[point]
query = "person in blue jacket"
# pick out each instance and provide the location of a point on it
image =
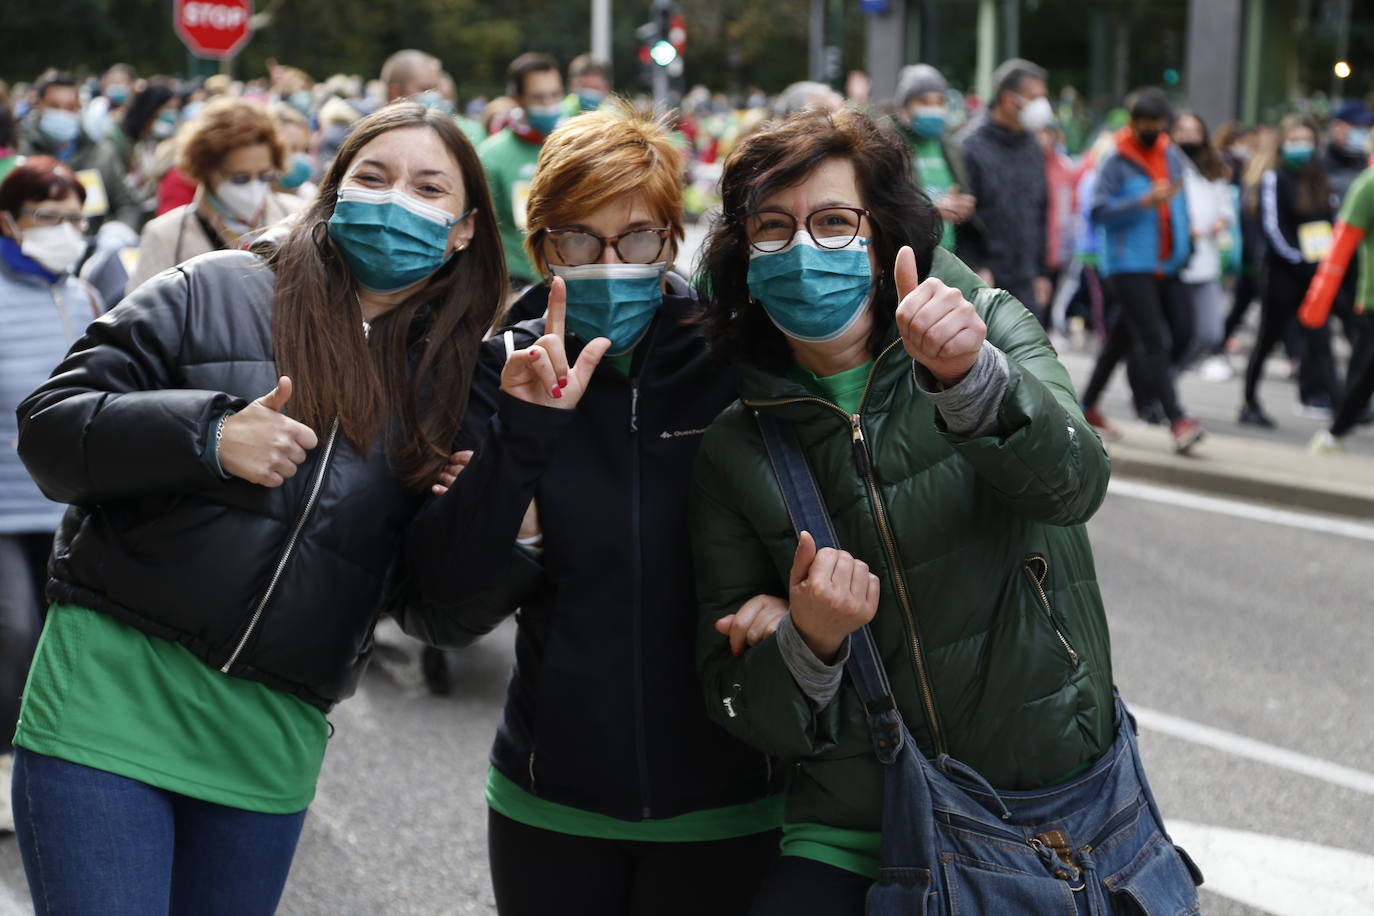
(1143, 227)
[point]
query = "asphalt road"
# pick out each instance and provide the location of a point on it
(1253, 628)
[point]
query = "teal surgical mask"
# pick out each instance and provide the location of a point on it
(616, 301)
(297, 173)
(1297, 153)
(811, 293)
(928, 120)
(300, 100)
(590, 99)
(118, 94)
(544, 120)
(389, 239)
(164, 125)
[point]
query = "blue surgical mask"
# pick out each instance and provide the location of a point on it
(118, 94)
(1358, 141)
(59, 125)
(1297, 153)
(544, 120)
(616, 301)
(165, 125)
(300, 100)
(432, 99)
(389, 239)
(191, 110)
(590, 99)
(811, 293)
(928, 120)
(297, 173)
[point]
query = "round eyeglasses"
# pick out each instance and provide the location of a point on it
(576, 247)
(831, 227)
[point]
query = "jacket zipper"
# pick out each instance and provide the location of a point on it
(1039, 583)
(641, 751)
(290, 547)
(864, 465)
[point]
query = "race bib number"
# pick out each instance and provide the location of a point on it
(1315, 240)
(519, 202)
(97, 201)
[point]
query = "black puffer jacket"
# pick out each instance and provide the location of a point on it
(279, 586)
(603, 710)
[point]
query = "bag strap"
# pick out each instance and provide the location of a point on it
(806, 507)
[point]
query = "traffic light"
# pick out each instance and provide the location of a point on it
(662, 41)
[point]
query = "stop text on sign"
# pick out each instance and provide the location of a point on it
(214, 16)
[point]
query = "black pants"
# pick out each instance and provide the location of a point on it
(801, 887)
(1359, 383)
(23, 574)
(539, 872)
(1285, 285)
(1116, 347)
(1158, 316)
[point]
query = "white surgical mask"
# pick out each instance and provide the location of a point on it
(57, 248)
(241, 201)
(1037, 114)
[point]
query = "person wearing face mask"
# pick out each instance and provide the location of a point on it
(297, 174)
(944, 436)
(1296, 208)
(234, 154)
(1142, 221)
(1347, 144)
(45, 308)
(145, 137)
(53, 128)
(243, 442)
(509, 156)
(936, 160)
(609, 791)
(589, 85)
(103, 112)
(1006, 177)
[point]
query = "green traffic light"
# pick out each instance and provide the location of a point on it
(663, 53)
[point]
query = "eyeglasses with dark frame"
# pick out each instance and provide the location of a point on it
(829, 227)
(47, 218)
(577, 247)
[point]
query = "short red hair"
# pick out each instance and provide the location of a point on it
(37, 179)
(596, 158)
(224, 125)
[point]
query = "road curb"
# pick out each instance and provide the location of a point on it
(1226, 466)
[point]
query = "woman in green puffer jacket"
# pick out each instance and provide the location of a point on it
(958, 470)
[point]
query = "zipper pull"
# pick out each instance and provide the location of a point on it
(861, 462)
(634, 406)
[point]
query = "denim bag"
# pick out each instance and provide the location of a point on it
(951, 843)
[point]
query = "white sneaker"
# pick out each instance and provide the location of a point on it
(1323, 443)
(1216, 369)
(6, 775)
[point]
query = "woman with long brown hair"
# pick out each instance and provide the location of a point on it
(243, 442)
(1290, 192)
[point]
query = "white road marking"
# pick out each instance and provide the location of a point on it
(1279, 875)
(1239, 509)
(1241, 746)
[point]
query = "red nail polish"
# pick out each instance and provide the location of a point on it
(737, 652)
(562, 383)
(556, 392)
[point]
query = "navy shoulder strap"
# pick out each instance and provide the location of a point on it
(806, 507)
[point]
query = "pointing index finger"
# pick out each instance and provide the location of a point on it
(558, 309)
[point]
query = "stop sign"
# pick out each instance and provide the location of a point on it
(213, 28)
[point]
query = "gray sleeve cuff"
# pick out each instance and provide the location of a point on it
(970, 408)
(819, 681)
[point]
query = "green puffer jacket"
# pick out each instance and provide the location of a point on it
(990, 621)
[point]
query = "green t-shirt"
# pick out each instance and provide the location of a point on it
(1358, 210)
(935, 176)
(105, 695)
(845, 388)
(509, 163)
(510, 800)
(471, 129)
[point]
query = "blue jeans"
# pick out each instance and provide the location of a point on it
(97, 843)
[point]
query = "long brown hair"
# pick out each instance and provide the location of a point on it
(369, 382)
(1313, 197)
(1208, 159)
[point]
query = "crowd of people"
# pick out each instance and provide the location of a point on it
(379, 352)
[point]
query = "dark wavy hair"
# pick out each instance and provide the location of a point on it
(144, 108)
(364, 381)
(781, 155)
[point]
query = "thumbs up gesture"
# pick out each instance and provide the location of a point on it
(540, 373)
(260, 444)
(940, 328)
